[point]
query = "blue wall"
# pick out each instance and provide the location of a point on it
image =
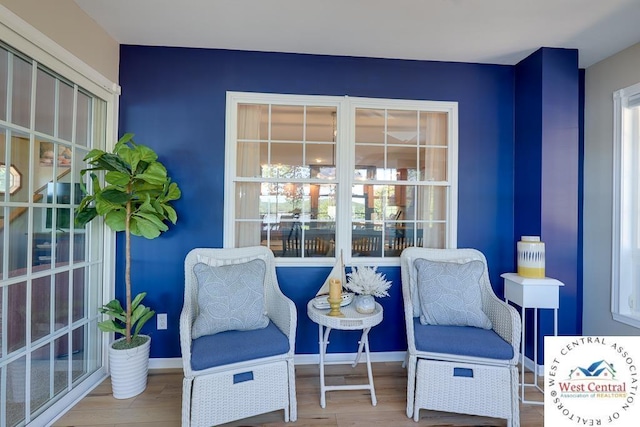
(547, 176)
(173, 99)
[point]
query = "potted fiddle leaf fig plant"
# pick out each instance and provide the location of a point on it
(135, 198)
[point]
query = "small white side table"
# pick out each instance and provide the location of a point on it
(352, 320)
(533, 293)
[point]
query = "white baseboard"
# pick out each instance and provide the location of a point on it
(528, 363)
(165, 363)
(299, 359)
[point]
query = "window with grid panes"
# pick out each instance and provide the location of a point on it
(626, 200)
(313, 176)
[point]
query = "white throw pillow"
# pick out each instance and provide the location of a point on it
(230, 297)
(449, 293)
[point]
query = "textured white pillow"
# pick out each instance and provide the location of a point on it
(230, 297)
(449, 293)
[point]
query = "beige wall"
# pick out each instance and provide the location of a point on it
(65, 23)
(602, 79)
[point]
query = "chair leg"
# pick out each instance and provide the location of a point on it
(186, 401)
(515, 401)
(293, 402)
(411, 384)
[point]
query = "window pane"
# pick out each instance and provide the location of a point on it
(41, 368)
(370, 125)
(433, 129)
(16, 391)
(61, 355)
(287, 123)
(83, 119)
(320, 154)
(402, 127)
(65, 111)
(45, 102)
(40, 307)
(44, 240)
(435, 235)
(366, 242)
(79, 307)
(287, 154)
(84, 358)
(253, 122)
(433, 164)
(16, 317)
(321, 124)
(17, 229)
(21, 99)
(430, 203)
(4, 75)
(401, 163)
(61, 301)
(20, 153)
(369, 157)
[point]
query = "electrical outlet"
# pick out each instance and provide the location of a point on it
(162, 321)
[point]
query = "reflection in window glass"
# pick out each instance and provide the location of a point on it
(21, 91)
(45, 102)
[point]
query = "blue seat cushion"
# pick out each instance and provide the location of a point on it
(228, 347)
(461, 340)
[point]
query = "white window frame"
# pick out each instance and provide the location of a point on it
(346, 107)
(625, 265)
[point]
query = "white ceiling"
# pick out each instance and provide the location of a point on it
(483, 31)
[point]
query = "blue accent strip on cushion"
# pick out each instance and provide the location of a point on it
(463, 372)
(243, 377)
(461, 340)
(228, 347)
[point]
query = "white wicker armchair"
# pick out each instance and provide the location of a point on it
(232, 387)
(471, 382)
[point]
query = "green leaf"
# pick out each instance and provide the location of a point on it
(111, 162)
(146, 154)
(144, 228)
(137, 300)
(154, 219)
(148, 314)
(133, 227)
(173, 193)
(114, 195)
(117, 178)
(113, 305)
(146, 206)
(124, 139)
(170, 213)
(84, 216)
(111, 326)
(104, 206)
(93, 154)
(155, 174)
(115, 220)
(131, 156)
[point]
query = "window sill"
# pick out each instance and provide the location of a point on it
(627, 319)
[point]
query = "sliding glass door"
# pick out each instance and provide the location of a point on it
(51, 272)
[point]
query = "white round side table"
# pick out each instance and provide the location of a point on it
(352, 320)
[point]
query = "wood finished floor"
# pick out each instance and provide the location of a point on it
(160, 404)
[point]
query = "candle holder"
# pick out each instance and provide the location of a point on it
(335, 307)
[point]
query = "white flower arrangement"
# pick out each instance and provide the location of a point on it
(366, 281)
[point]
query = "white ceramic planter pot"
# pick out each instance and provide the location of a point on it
(129, 369)
(365, 304)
